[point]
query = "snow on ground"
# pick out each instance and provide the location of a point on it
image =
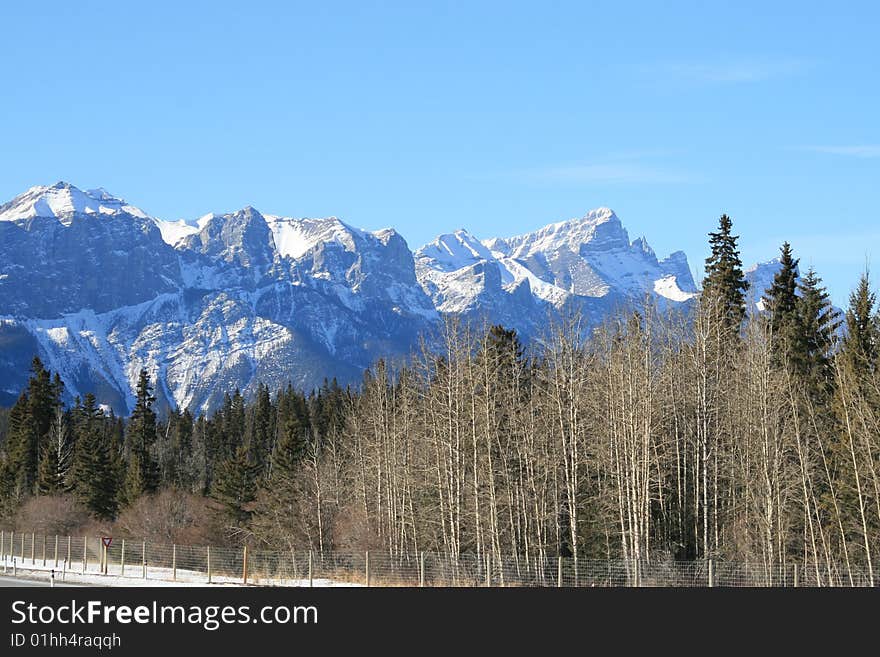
(156, 576)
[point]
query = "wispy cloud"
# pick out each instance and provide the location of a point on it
(728, 72)
(863, 150)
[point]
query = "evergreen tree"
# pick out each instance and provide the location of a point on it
(93, 477)
(862, 342)
(44, 396)
(262, 425)
(724, 286)
(235, 486)
(56, 457)
(142, 471)
(21, 448)
(141, 433)
(30, 422)
(818, 325)
(781, 305)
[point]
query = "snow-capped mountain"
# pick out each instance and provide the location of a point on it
(99, 289)
(589, 262)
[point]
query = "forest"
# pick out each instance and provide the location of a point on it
(712, 432)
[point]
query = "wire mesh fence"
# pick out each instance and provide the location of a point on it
(92, 558)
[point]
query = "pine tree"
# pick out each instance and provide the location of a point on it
(862, 342)
(724, 286)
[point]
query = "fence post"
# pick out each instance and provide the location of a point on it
(3, 545)
(488, 569)
(311, 580)
(367, 566)
(559, 571)
(44, 550)
(21, 558)
(174, 562)
(209, 564)
(144, 559)
(795, 575)
(69, 544)
(56, 551)
(33, 548)
(85, 554)
(244, 566)
(711, 573)
(64, 570)
(422, 569)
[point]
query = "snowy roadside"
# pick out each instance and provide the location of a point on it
(133, 576)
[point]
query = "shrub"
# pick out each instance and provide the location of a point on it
(170, 516)
(52, 514)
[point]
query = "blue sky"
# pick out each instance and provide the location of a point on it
(498, 117)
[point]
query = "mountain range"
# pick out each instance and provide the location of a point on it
(99, 289)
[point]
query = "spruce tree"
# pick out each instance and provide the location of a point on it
(142, 471)
(44, 395)
(235, 486)
(92, 476)
(862, 342)
(818, 324)
(262, 425)
(141, 431)
(56, 456)
(781, 305)
(724, 286)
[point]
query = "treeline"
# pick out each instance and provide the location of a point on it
(713, 433)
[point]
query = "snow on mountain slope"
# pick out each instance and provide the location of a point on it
(99, 289)
(61, 201)
(586, 258)
(205, 306)
(454, 251)
(173, 232)
(668, 287)
(295, 237)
